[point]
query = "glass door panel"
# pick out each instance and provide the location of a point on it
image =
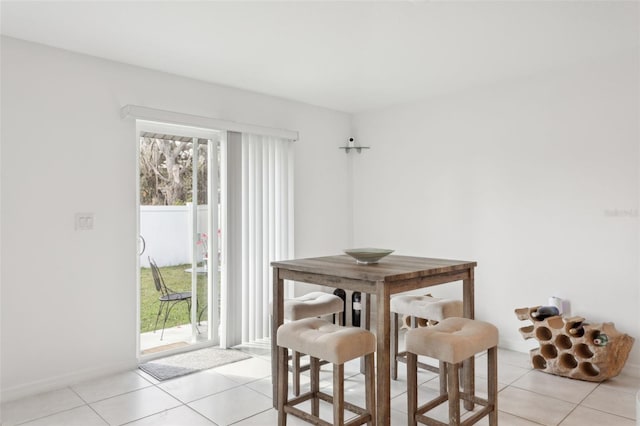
(205, 266)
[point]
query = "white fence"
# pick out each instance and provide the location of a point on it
(167, 234)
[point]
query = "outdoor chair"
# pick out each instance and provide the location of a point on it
(168, 298)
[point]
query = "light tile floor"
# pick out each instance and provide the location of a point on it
(239, 394)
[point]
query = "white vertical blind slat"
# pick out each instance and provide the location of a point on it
(272, 235)
(257, 238)
(246, 233)
(264, 246)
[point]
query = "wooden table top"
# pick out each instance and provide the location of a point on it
(388, 269)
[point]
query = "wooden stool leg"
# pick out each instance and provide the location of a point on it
(314, 369)
(469, 381)
(283, 384)
(412, 388)
(492, 373)
(338, 394)
(442, 367)
(370, 387)
(394, 345)
(454, 394)
(295, 362)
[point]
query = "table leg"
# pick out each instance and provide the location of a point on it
(383, 328)
(277, 318)
(365, 322)
(468, 366)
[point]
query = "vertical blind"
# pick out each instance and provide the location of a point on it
(267, 225)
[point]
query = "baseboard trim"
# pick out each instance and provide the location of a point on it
(631, 369)
(517, 345)
(62, 381)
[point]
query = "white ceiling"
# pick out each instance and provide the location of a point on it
(347, 56)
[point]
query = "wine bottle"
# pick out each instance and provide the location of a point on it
(600, 339)
(545, 312)
(356, 308)
(342, 295)
(575, 329)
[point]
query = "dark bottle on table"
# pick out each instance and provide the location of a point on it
(356, 308)
(342, 295)
(544, 312)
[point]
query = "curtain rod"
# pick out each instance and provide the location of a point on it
(153, 114)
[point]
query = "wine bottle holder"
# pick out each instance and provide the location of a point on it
(564, 354)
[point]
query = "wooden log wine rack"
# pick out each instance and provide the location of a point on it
(577, 356)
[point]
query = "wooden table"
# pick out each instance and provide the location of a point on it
(393, 274)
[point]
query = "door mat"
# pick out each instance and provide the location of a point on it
(191, 362)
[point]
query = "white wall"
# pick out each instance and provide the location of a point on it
(69, 297)
(535, 178)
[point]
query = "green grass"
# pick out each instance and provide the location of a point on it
(176, 279)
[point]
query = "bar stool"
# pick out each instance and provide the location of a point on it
(426, 307)
(322, 340)
(314, 304)
(452, 341)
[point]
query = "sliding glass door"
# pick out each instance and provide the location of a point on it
(214, 207)
(179, 204)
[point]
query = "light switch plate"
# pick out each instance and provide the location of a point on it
(84, 221)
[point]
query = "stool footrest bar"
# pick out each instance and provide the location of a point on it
(474, 399)
(362, 418)
(306, 416)
(353, 408)
(432, 404)
(429, 421)
(477, 416)
(300, 399)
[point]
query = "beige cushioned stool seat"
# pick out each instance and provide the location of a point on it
(453, 339)
(325, 340)
(428, 307)
(314, 304)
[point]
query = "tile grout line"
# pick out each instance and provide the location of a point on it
(247, 418)
(22, 422)
(578, 405)
(600, 410)
(86, 403)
